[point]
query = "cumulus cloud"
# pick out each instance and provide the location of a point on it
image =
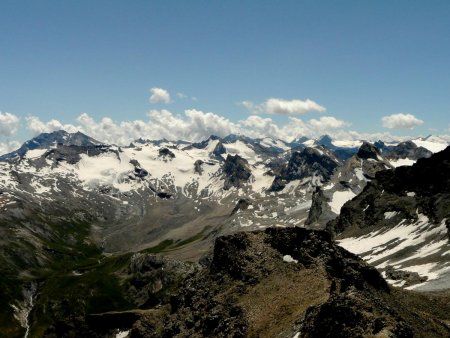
(9, 123)
(196, 125)
(6, 147)
(401, 121)
(36, 126)
(159, 95)
(327, 122)
(284, 107)
(257, 126)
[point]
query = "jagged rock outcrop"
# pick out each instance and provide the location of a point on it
(306, 163)
(407, 149)
(242, 204)
(139, 172)
(71, 153)
(317, 205)
(165, 153)
(236, 171)
(410, 278)
(423, 187)
(347, 181)
(219, 149)
(399, 215)
(283, 282)
(153, 278)
(367, 151)
(198, 167)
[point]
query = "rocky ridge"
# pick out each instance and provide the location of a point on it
(278, 282)
(401, 219)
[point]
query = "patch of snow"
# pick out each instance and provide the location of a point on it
(431, 270)
(390, 214)
(289, 259)
(347, 144)
(122, 334)
(244, 150)
(381, 247)
(338, 200)
(246, 223)
(401, 162)
(360, 175)
(319, 151)
(269, 143)
(298, 207)
(309, 143)
(434, 147)
(35, 153)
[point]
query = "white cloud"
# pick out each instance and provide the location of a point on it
(284, 107)
(159, 95)
(257, 126)
(9, 123)
(327, 122)
(401, 121)
(6, 147)
(193, 125)
(36, 126)
(196, 125)
(109, 131)
(183, 96)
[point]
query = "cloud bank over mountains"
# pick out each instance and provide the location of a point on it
(196, 125)
(192, 125)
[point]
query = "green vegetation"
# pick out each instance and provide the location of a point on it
(194, 238)
(162, 246)
(169, 244)
(73, 277)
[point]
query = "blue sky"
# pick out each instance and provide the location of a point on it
(361, 60)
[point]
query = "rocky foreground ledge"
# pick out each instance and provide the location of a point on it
(281, 282)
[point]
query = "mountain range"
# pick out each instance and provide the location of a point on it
(89, 228)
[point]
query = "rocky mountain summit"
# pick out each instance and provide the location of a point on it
(278, 282)
(48, 140)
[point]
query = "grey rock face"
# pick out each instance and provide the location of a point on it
(351, 299)
(367, 151)
(48, 140)
(306, 163)
(236, 171)
(407, 149)
(166, 153)
(219, 149)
